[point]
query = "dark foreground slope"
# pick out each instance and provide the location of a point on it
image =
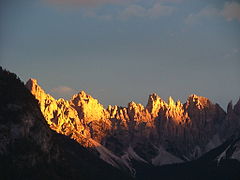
(30, 150)
(220, 163)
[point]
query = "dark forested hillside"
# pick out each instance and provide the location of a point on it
(30, 150)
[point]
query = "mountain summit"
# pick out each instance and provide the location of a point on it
(29, 149)
(124, 135)
(194, 140)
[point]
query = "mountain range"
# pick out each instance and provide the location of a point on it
(80, 139)
(157, 134)
(29, 149)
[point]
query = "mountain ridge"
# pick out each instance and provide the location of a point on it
(29, 149)
(184, 131)
(195, 140)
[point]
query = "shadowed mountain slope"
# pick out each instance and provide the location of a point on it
(156, 134)
(29, 149)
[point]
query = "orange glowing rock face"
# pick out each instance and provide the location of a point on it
(198, 101)
(155, 103)
(84, 114)
(59, 114)
(176, 112)
(186, 128)
(84, 119)
(88, 108)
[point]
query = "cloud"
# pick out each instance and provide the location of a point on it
(92, 14)
(155, 11)
(93, 3)
(90, 3)
(231, 11)
(125, 8)
(62, 91)
(159, 10)
(133, 11)
(202, 14)
(232, 52)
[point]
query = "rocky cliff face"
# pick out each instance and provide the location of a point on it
(157, 134)
(29, 149)
(59, 114)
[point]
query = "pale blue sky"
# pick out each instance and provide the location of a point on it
(119, 51)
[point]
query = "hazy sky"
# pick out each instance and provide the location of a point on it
(123, 50)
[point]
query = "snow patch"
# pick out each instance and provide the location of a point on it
(133, 155)
(127, 161)
(107, 155)
(213, 143)
(236, 153)
(164, 157)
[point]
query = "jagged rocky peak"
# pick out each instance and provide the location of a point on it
(230, 107)
(60, 114)
(46, 101)
(111, 108)
(32, 80)
(82, 98)
(30, 150)
(61, 101)
(198, 101)
(175, 110)
(118, 112)
(153, 97)
(206, 108)
(82, 95)
(32, 85)
(237, 107)
(155, 103)
(171, 102)
(133, 105)
(84, 119)
(138, 112)
(88, 107)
